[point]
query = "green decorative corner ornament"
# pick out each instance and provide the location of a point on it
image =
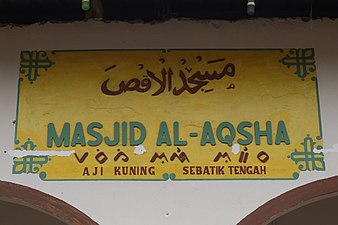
(307, 160)
(28, 164)
(302, 60)
(32, 62)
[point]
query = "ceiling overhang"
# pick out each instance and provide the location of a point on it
(32, 11)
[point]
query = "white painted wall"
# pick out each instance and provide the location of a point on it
(179, 203)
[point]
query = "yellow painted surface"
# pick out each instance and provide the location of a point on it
(261, 89)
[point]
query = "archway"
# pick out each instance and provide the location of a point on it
(40, 206)
(292, 200)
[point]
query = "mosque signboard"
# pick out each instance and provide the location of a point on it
(178, 114)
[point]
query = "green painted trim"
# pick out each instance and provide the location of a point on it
(214, 179)
(320, 137)
(169, 49)
(106, 50)
(168, 177)
(225, 49)
(16, 141)
(103, 179)
(235, 179)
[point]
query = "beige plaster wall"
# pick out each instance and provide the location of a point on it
(179, 203)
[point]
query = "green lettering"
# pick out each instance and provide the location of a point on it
(141, 128)
(207, 135)
(124, 133)
(177, 141)
(116, 139)
(259, 133)
(163, 135)
(246, 134)
(78, 136)
(282, 134)
(58, 140)
(95, 134)
(227, 139)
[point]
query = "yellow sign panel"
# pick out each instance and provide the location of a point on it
(168, 114)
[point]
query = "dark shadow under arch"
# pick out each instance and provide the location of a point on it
(291, 199)
(38, 200)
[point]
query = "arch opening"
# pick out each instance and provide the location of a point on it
(19, 202)
(293, 200)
